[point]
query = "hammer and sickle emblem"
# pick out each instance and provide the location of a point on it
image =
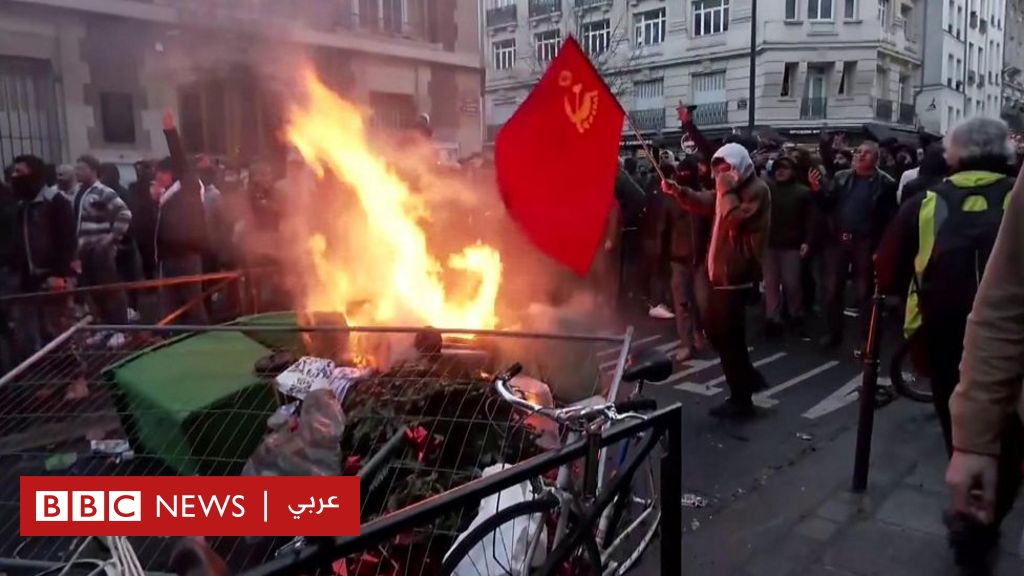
(582, 108)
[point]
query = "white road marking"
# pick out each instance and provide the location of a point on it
(764, 399)
(634, 344)
(711, 388)
(846, 394)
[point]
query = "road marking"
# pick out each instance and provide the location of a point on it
(711, 388)
(846, 394)
(696, 365)
(634, 344)
(765, 400)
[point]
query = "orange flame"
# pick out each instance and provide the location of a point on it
(381, 258)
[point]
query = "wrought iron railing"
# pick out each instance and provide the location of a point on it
(500, 16)
(544, 7)
(711, 113)
(884, 109)
(649, 119)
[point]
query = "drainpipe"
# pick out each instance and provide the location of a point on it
(480, 25)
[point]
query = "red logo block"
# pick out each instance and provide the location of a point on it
(190, 505)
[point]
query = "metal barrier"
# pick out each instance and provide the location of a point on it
(43, 431)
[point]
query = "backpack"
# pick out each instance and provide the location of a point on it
(957, 228)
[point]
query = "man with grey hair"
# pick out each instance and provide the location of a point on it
(935, 254)
(857, 206)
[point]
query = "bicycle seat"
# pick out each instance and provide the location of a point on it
(649, 366)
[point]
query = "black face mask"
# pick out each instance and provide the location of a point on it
(25, 187)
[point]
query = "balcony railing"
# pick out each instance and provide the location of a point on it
(883, 110)
(544, 7)
(501, 16)
(813, 108)
(590, 3)
(907, 114)
(711, 113)
(651, 119)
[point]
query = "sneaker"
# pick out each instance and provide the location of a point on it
(661, 312)
(97, 339)
(730, 410)
(684, 355)
(117, 341)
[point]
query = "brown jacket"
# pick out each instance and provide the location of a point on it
(740, 233)
(992, 368)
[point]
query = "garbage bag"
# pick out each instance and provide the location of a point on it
(311, 448)
(514, 538)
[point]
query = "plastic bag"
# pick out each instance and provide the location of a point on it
(312, 448)
(514, 538)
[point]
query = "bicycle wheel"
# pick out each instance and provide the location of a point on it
(483, 551)
(634, 520)
(905, 379)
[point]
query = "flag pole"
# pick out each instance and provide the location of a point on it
(647, 150)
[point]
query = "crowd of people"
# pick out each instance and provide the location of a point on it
(821, 230)
(77, 225)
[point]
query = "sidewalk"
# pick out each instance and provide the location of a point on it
(806, 522)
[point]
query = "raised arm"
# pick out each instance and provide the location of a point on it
(182, 169)
(700, 202)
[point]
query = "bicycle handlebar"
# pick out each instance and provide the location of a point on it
(572, 414)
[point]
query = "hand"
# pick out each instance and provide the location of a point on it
(609, 245)
(168, 120)
(804, 250)
(972, 480)
(814, 178)
(669, 187)
(56, 283)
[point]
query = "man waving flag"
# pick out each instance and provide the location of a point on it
(557, 159)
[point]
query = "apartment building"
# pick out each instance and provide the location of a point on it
(1013, 65)
(963, 67)
(820, 63)
(94, 76)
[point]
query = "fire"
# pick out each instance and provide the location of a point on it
(374, 264)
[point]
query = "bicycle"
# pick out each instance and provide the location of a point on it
(560, 520)
(905, 379)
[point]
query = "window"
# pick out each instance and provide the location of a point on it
(708, 88)
(710, 17)
(981, 62)
(118, 117)
(505, 54)
(949, 19)
(650, 27)
(788, 71)
(393, 111)
(649, 89)
(949, 116)
(597, 36)
(959, 73)
(949, 70)
(959, 22)
(817, 82)
(819, 9)
(387, 15)
(883, 13)
(547, 45)
(850, 9)
(847, 79)
(970, 55)
(790, 9)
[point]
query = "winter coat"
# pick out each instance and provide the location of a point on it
(741, 222)
(792, 215)
(46, 239)
(102, 218)
(181, 218)
(883, 203)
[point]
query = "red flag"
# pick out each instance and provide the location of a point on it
(557, 159)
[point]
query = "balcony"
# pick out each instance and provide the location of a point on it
(544, 7)
(883, 110)
(650, 120)
(501, 16)
(907, 114)
(711, 113)
(591, 3)
(813, 108)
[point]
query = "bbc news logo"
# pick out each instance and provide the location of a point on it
(172, 506)
(89, 506)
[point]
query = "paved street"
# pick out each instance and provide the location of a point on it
(777, 487)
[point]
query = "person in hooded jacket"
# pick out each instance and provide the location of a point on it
(788, 244)
(180, 227)
(741, 209)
